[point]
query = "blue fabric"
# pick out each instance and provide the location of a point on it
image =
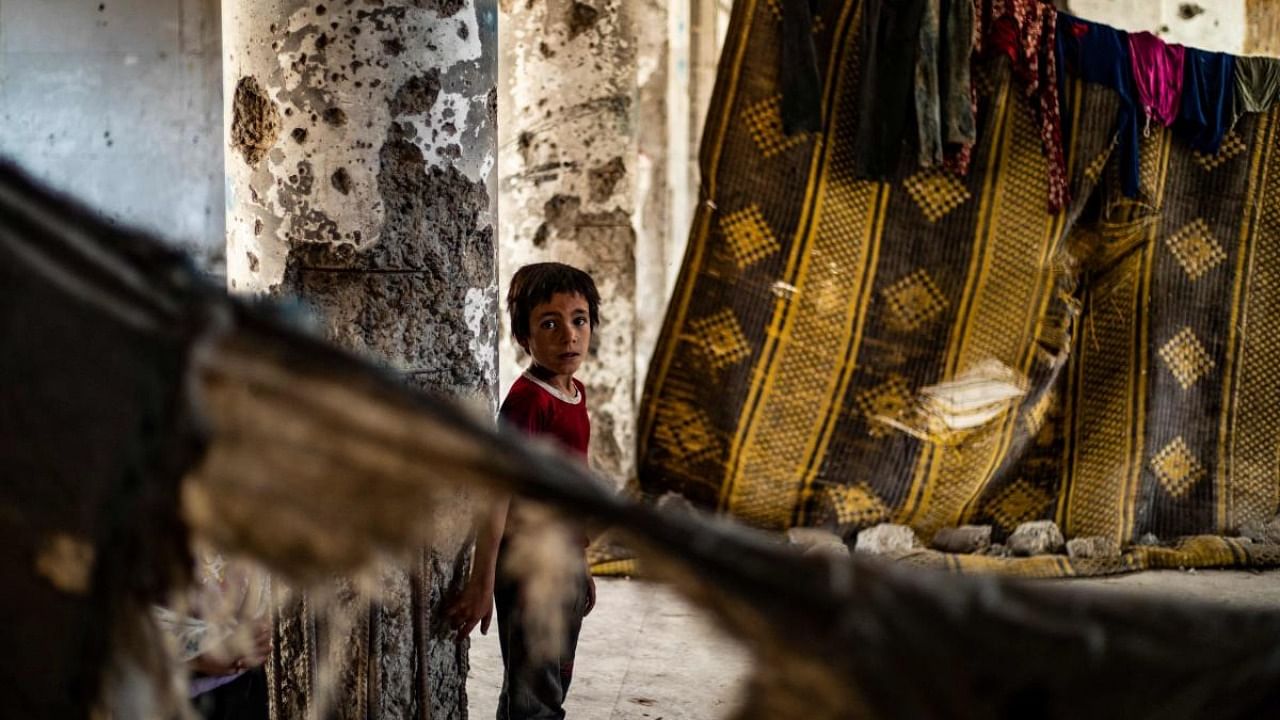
(1100, 54)
(1208, 98)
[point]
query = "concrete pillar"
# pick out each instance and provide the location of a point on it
(568, 165)
(360, 144)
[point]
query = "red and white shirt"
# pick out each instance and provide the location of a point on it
(539, 408)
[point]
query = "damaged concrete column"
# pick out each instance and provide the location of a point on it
(359, 157)
(568, 168)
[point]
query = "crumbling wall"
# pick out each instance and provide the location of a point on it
(1262, 37)
(1211, 25)
(120, 104)
(569, 168)
(359, 156)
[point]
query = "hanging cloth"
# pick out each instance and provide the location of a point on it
(1208, 99)
(1025, 31)
(798, 70)
(1100, 54)
(1257, 85)
(962, 15)
(959, 101)
(945, 106)
(887, 55)
(927, 96)
(1157, 76)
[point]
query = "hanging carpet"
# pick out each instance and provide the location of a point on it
(937, 350)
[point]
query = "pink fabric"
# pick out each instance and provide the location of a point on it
(1157, 73)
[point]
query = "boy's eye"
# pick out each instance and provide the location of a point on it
(549, 325)
(580, 321)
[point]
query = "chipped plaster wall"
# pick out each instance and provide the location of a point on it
(1263, 34)
(360, 149)
(1208, 24)
(120, 104)
(568, 169)
(654, 193)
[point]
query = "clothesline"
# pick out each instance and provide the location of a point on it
(1200, 94)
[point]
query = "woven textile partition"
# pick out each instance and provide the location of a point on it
(937, 350)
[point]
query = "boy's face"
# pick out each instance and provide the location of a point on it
(559, 333)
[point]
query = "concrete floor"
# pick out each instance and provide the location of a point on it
(645, 654)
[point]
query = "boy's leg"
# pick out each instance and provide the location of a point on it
(532, 691)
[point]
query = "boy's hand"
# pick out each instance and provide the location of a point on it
(474, 605)
(591, 594)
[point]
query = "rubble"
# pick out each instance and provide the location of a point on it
(1271, 532)
(1148, 540)
(813, 541)
(1041, 537)
(1093, 546)
(966, 539)
(886, 539)
(1254, 531)
(997, 550)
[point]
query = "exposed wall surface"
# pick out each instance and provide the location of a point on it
(1208, 24)
(568, 168)
(119, 103)
(360, 149)
(1263, 35)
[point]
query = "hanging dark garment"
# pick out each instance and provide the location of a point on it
(887, 54)
(1208, 99)
(1099, 54)
(956, 82)
(928, 99)
(944, 97)
(1257, 85)
(798, 70)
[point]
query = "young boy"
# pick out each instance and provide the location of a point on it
(553, 309)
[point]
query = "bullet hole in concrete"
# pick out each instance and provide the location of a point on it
(257, 227)
(288, 112)
(272, 28)
(322, 41)
(102, 7)
(1186, 11)
(546, 50)
(255, 122)
(393, 46)
(581, 18)
(603, 179)
(540, 236)
(417, 95)
(375, 82)
(449, 128)
(320, 10)
(335, 116)
(463, 31)
(299, 135)
(341, 180)
(253, 261)
(356, 65)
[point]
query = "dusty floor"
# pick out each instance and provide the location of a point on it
(647, 655)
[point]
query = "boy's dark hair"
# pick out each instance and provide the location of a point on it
(535, 284)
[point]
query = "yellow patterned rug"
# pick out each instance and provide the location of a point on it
(939, 350)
